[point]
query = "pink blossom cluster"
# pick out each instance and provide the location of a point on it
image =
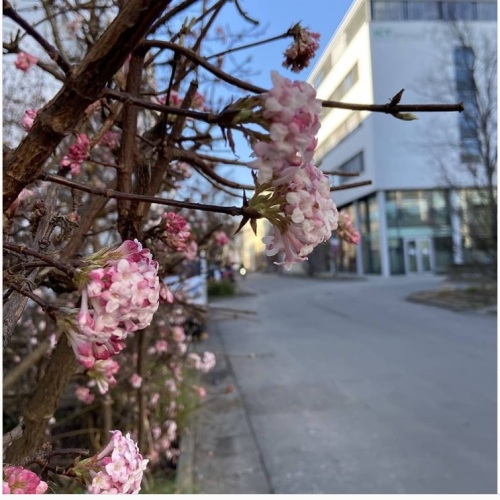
(302, 50)
(310, 216)
(77, 154)
(221, 238)
(24, 196)
(178, 231)
(84, 394)
(191, 251)
(102, 374)
(120, 294)
(165, 294)
(119, 467)
(199, 102)
(203, 363)
(28, 119)
(201, 392)
(292, 111)
(135, 381)
(183, 169)
(24, 61)
(175, 99)
(300, 208)
(72, 27)
(109, 139)
(346, 229)
(18, 480)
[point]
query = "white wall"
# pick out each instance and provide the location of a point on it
(421, 154)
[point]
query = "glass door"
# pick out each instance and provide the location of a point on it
(418, 255)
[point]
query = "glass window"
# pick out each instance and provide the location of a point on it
(486, 11)
(396, 256)
(414, 208)
(387, 10)
(373, 214)
(463, 11)
(443, 253)
(371, 254)
(323, 72)
(363, 213)
(345, 85)
(414, 10)
(440, 210)
(420, 11)
(391, 209)
(470, 145)
(354, 165)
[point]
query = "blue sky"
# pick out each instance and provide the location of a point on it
(279, 15)
(276, 17)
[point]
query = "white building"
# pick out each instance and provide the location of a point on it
(413, 217)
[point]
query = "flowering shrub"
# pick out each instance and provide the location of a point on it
(293, 194)
(178, 231)
(77, 154)
(302, 50)
(117, 299)
(24, 61)
(18, 480)
(29, 118)
(118, 468)
(346, 229)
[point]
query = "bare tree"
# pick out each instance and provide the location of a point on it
(466, 155)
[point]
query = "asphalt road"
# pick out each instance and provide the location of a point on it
(351, 389)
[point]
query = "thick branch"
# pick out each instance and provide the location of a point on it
(44, 402)
(83, 86)
(27, 362)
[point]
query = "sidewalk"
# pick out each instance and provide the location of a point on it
(219, 453)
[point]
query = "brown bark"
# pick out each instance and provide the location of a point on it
(126, 157)
(44, 402)
(84, 85)
(58, 118)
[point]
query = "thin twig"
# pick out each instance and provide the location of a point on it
(22, 249)
(111, 193)
(349, 186)
(37, 300)
(249, 45)
(341, 174)
(54, 54)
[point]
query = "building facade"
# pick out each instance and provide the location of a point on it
(425, 208)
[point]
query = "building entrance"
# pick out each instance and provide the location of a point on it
(418, 255)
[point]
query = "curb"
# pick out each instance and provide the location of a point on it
(184, 480)
(219, 451)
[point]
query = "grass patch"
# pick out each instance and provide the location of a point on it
(459, 299)
(223, 288)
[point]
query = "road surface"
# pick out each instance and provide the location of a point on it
(349, 388)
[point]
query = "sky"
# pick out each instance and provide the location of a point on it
(276, 17)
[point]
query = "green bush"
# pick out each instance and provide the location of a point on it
(224, 288)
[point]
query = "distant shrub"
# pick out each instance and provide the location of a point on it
(223, 288)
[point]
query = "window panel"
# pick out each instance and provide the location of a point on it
(414, 10)
(486, 11)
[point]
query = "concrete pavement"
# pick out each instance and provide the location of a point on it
(348, 388)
